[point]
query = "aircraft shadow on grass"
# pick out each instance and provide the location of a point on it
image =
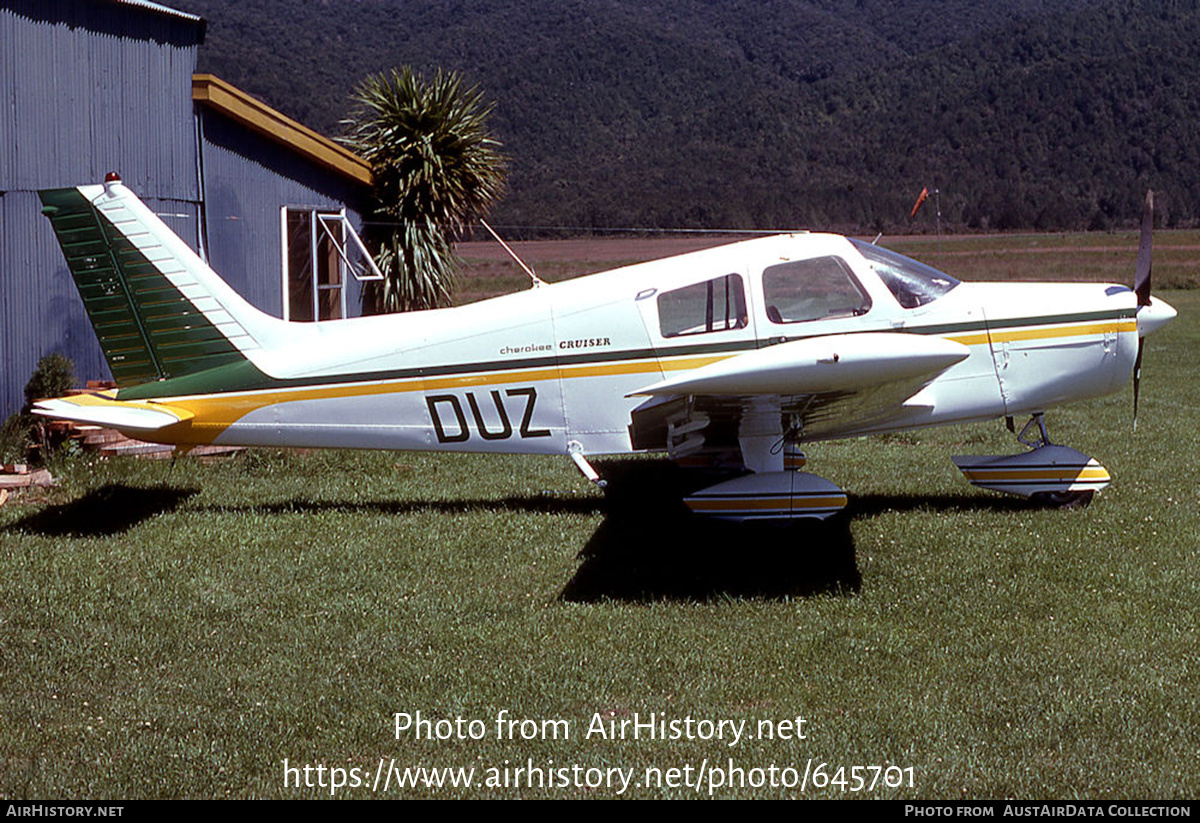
(108, 510)
(650, 547)
(545, 503)
(116, 508)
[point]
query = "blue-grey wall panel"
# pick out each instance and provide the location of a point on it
(93, 87)
(86, 87)
(41, 310)
(247, 180)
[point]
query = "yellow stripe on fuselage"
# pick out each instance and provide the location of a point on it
(1046, 333)
(214, 413)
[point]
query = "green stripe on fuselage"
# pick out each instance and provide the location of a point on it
(243, 376)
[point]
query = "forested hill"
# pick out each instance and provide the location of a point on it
(774, 113)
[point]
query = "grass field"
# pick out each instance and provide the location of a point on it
(180, 631)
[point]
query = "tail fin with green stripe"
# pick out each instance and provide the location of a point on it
(158, 310)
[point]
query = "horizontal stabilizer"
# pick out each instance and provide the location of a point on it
(99, 410)
(842, 363)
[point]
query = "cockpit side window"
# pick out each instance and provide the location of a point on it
(712, 306)
(814, 289)
(913, 283)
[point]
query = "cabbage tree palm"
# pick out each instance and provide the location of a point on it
(436, 170)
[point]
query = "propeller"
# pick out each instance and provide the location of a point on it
(1141, 287)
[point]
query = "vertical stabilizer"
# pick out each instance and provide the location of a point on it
(158, 310)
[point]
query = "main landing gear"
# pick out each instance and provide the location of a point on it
(776, 491)
(1048, 474)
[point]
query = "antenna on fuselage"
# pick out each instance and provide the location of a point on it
(537, 281)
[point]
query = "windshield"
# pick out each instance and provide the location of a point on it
(913, 283)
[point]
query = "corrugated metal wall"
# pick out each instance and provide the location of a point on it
(247, 180)
(97, 87)
(87, 88)
(42, 311)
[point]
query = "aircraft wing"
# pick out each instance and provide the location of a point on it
(124, 416)
(834, 383)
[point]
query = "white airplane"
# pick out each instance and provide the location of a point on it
(734, 356)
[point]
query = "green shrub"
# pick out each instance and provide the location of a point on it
(24, 436)
(53, 377)
(14, 438)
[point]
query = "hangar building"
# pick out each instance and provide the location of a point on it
(97, 86)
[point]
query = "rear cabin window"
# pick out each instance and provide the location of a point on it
(815, 289)
(712, 306)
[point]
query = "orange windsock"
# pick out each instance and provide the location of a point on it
(921, 198)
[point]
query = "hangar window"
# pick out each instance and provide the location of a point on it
(321, 249)
(814, 289)
(714, 305)
(314, 282)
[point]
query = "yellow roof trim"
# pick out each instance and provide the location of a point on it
(231, 101)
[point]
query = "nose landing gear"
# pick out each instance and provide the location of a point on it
(1048, 474)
